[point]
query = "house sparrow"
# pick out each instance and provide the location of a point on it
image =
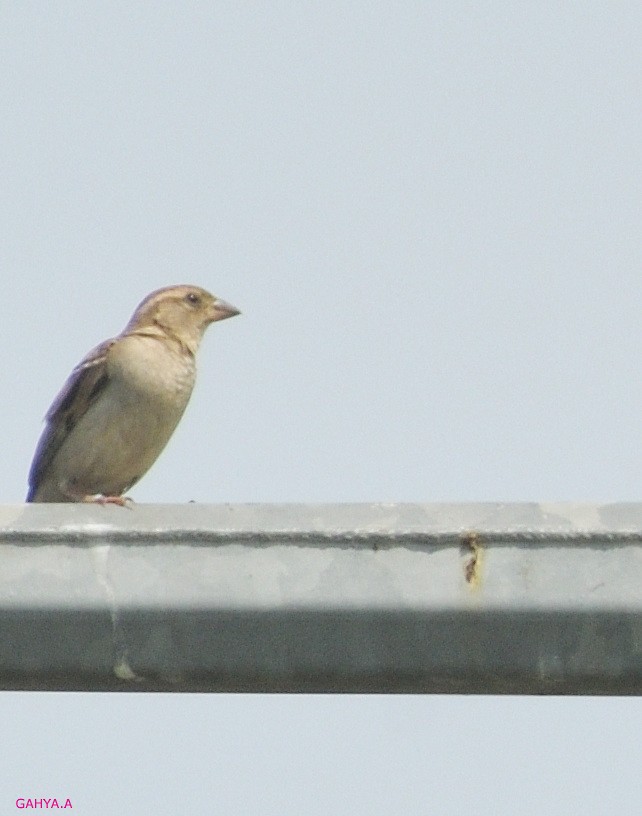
(122, 402)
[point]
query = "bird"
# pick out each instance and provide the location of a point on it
(122, 402)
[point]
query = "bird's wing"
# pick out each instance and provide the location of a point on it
(80, 391)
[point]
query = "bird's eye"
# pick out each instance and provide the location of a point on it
(192, 298)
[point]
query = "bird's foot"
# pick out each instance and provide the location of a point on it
(121, 501)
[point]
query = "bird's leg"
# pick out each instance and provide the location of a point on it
(95, 498)
(120, 501)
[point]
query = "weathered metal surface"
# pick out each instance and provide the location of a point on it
(486, 598)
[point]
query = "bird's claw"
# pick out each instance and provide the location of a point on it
(121, 501)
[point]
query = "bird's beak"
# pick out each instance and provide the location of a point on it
(221, 309)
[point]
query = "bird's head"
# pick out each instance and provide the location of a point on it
(183, 312)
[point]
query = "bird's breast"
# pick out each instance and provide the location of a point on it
(152, 370)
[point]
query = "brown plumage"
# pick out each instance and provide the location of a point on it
(122, 402)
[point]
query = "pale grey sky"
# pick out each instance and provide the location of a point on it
(429, 214)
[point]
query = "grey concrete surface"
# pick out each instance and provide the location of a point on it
(462, 598)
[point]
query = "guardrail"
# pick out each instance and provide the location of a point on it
(434, 598)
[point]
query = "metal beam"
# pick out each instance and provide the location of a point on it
(448, 598)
